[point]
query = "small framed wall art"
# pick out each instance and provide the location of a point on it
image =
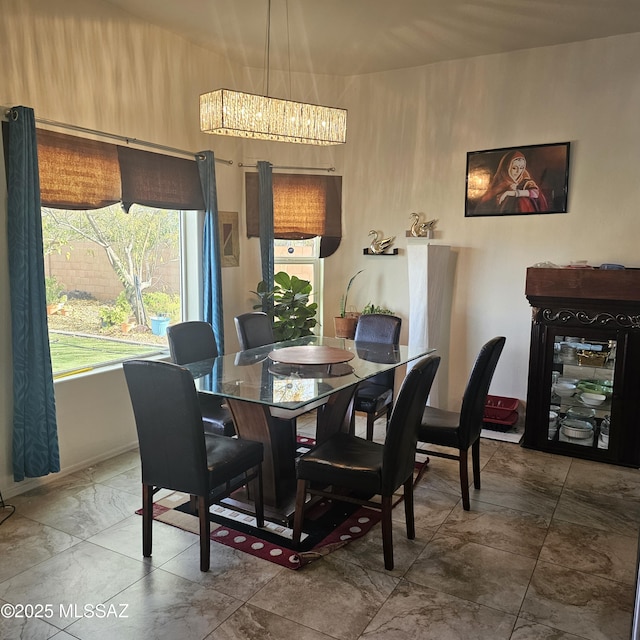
(517, 180)
(229, 238)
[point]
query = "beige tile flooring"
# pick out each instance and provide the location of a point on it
(548, 551)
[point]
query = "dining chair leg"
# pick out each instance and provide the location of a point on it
(259, 499)
(421, 471)
(370, 423)
(147, 519)
(387, 533)
(408, 508)
(464, 479)
(205, 540)
(475, 458)
(352, 424)
(298, 517)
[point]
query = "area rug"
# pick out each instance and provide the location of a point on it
(328, 526)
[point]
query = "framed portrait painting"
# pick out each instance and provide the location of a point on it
(229, 238)
(517, 180)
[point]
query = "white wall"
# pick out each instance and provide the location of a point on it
(86, 63)
(409, 133)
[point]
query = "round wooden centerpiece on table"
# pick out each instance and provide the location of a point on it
(309, 354)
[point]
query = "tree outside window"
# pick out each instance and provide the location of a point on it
(116, 279)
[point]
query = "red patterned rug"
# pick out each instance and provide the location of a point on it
(328, 526)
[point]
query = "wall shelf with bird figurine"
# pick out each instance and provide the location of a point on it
(421, 229)
(380, 246)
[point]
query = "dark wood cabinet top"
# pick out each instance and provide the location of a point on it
(615, 285)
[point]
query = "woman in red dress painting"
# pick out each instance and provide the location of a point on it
(512, 190)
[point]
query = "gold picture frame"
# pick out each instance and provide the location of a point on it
(229, 238)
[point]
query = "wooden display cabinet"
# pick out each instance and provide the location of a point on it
(585, 326)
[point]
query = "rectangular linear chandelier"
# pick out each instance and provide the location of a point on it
(247, 115)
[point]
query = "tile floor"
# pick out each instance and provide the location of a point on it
(548, 551)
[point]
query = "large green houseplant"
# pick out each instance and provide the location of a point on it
(293, 313)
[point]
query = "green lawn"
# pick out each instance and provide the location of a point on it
(72, 353)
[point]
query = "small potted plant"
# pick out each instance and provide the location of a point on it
(345, 323)
(55, 299)
(372, 308)
(128, 324)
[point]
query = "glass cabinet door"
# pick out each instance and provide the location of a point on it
(582, 382)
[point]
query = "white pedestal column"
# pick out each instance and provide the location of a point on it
(431, 269)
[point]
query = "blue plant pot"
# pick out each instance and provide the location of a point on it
(159, 325)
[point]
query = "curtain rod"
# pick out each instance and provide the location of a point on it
(115, 136)
(253, 166)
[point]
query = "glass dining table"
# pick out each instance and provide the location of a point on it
(268, 387)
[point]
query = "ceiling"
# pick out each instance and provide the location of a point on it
(350, 37)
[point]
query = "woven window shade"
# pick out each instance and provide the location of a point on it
(157, 180)
(299, 205)
(77, 173)
(304, 206)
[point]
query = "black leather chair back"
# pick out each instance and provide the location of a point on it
(169, 425)
(402, 435)
(254, 330)
(378, 327)
(475, 395)
(191, 341)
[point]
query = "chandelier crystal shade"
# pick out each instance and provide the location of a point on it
(247, 115)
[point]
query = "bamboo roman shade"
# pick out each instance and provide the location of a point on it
(304, 206)
(156, 180)
(78, 173)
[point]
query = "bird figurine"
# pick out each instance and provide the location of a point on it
(421, 229)
(379, 246)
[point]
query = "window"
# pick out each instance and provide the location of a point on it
(301, 258)
(112, 283)
(307, 219)
(114, 221)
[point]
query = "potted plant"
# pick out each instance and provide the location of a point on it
(128, 324)
(53, 294)
(345, 323)
(293, 312)
(116, 314)
(372, 308)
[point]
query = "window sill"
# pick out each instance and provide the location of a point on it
(101, 369)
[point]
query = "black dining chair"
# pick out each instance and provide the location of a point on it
(193, 341)
(254, 330)
(358, 469)
(461, 430)
(177, 454)
(374, 396)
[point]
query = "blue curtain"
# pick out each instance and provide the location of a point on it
(265, 206)
(211, 258)
(35, 432)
